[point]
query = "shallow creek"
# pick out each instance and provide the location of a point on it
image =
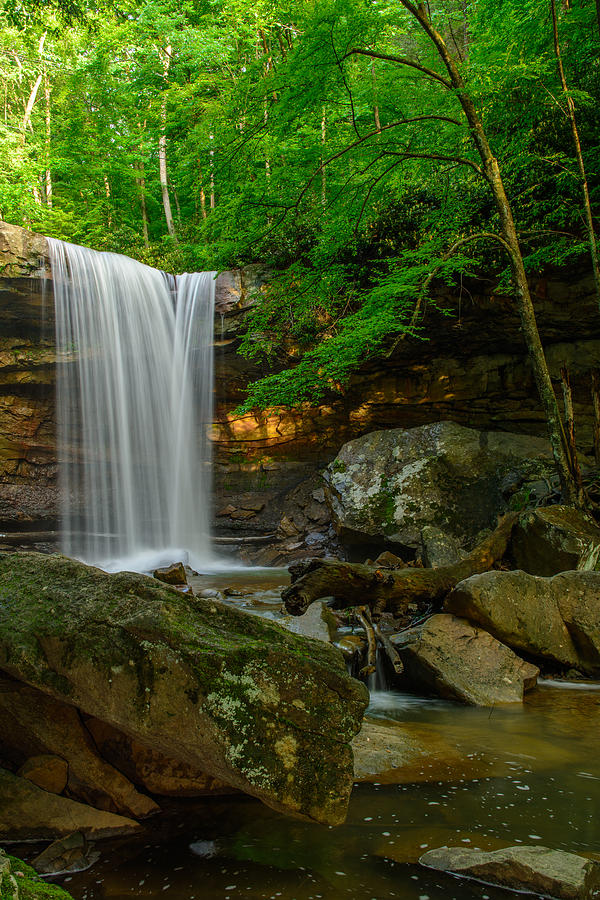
(527, 774)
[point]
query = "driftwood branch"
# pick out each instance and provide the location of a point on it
(363, 614)
(388, 590)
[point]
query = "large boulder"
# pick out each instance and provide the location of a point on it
(555, 539)
(535, 870)
(450, 657)
(390, 485)
(553, 619)
(233, 695)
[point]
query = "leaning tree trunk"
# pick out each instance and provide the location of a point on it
(388, 590)
(491, 170)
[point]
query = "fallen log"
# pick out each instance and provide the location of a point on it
(388, 590)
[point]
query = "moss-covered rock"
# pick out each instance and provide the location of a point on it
(18, 881)
(264, 710)
(390, 485)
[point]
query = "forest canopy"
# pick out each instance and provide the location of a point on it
(321, 139)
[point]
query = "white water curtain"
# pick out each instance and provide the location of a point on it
(134, 405)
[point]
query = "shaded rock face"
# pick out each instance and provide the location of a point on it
(536, 870)
(556, 619)
(150, 769)
(237, 697)
(555, 539)
(32, 723)
(456, 660)
(390, 485)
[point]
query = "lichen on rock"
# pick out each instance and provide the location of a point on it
(194, 679)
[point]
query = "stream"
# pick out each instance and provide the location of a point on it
(526, 774)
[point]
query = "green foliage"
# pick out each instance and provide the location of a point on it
(349, 175)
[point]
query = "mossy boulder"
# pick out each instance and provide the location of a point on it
(391, 485)
(263, 710)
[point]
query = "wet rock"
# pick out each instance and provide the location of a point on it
(72, 853)
(388, 560)
(353, 647)
(233, 695)
(439, 548)
(287, 528)
(555, 539)
(28, 813)
(210, 594)
(252, 505)
(389, 485)
(455, 660)
(227, 510)
(34, 724)
(173, 574)
(317, 622)
(48, 772)
(403, 754)
(408, 848)
(151, 769)
(553, 619)
(536, 870)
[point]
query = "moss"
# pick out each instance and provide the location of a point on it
(196, 662)
(29, 884)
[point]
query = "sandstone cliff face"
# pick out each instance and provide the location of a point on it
(473, 370)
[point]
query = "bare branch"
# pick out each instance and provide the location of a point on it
(400, 60)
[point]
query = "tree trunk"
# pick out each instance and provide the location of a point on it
(323, 175)
(29, 106)
(107, 192)
(48, 174)
(587, 207)
(211, 156)
(388, 590)
(33, 93)
(162, 149)
(141, 180)
(596, 404)
(508, 231)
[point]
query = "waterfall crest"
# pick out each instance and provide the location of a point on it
(134, 404)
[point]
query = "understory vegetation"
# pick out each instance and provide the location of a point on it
(329, 140)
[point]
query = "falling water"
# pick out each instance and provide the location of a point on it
(134, 400)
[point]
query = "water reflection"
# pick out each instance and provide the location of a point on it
(527, 774)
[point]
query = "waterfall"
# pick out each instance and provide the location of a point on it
(134, 404)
